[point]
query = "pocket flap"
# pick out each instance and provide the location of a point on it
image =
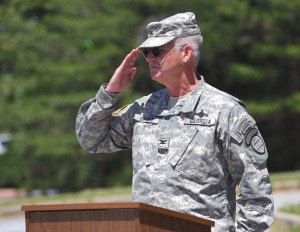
(141, 162)
(180, 145)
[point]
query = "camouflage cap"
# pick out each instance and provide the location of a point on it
(179, 25)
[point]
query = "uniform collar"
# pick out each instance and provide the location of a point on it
(189, 104)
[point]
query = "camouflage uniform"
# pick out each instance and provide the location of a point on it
(189, 158)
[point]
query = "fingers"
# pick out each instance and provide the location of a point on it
(130, 59)
(132, 73)
(129, 62)
(127, 66)
(124, 74)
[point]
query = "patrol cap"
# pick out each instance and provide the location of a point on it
(162, 32)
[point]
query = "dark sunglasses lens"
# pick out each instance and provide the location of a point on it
(156, 52)
(145, 52)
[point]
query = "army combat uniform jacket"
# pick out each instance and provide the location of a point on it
(190, 158)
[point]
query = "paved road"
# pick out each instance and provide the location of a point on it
(286, 198)
(17, 223)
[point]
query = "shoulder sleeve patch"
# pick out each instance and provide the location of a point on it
(258, 144)
(242, 128)
(250, 139)
(253, 137)
(245, 125)
(250, 135)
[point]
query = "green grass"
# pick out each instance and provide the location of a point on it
(285, 176)
(295, 228)
(294, 209)
(281, 181)
(85, 196)
(279, 226)
(285, 180)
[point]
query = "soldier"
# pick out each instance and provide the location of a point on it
(192, 144)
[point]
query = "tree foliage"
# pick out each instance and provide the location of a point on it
(55, 55)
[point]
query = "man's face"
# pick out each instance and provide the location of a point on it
(165, 63)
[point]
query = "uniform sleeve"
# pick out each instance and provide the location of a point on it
(97, 130)
(247, 166)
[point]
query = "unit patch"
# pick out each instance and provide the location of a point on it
(256, 142)
(258, 145)
(246, 134)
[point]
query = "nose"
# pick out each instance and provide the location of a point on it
(150, 56)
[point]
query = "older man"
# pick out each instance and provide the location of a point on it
(192, 144)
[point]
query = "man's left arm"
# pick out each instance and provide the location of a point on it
(247, 166)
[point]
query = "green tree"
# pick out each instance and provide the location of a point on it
(54, 55)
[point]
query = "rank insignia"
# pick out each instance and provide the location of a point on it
(163, 145)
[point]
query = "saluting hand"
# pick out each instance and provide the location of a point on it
(124, 74)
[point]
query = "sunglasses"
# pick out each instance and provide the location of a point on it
(155, 51)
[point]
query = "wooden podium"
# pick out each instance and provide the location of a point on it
(110, 217)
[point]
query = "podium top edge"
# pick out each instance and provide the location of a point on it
(115, 205)
(80, 206)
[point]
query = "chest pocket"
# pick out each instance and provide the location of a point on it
(193, 151)
(144, 142)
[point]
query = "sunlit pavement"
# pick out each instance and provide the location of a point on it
(13, 224)
(283, 198)
(286, 198)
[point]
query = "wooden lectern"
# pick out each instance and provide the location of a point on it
(110, 217)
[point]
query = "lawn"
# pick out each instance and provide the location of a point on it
(285, 180)
(294, 209)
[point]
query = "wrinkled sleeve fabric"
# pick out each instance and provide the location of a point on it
(97, 130)
(247, 166)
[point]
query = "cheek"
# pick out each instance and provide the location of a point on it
(172, 65)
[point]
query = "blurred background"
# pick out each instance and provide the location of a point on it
(54, 55)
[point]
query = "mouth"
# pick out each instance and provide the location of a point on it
(154, 67)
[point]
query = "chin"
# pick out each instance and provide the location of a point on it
(156, 78)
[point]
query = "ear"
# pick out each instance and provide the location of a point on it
(187, 53)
